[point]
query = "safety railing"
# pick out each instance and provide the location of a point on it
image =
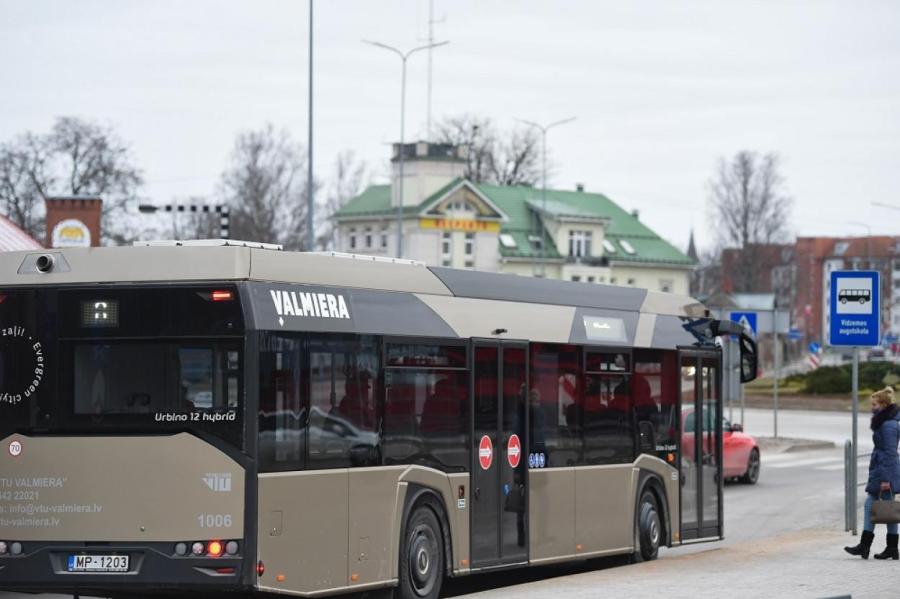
(851, 486)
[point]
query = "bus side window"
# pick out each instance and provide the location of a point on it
(655, 395)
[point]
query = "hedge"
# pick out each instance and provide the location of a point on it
(836, 379)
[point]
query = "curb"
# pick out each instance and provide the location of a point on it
(792, 445)
(810, 446)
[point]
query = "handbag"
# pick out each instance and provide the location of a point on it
(885, 511)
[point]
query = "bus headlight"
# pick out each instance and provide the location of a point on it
(231, 547)
(15, 548)
(181, 549)
(3, 547)
(198, 548)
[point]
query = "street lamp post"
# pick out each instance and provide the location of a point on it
(543, 129)
(403, 56)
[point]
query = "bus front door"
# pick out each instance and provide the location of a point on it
(499, 495)
(701, 446)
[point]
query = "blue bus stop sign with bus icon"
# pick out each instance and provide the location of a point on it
(855, 311)
(745, 319)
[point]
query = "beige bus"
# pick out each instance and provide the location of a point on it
(234, 418)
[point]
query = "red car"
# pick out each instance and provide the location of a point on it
(741, 454)
(741, 450)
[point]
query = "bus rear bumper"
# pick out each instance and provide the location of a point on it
(152, 569)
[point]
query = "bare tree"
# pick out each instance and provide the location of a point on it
(749, 209)
(77, 157)
(265, 187)
(498, 157)
(25, 176)
(349, 177)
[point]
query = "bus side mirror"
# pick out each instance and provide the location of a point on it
(748, 358)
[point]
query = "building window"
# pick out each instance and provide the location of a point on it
(631, 282)
(368, 237)
(470, 264)
(446, 248)
(536, 242)
(609, 247)
(352, 237)
(665, 285)
(590, 279)
(384, 237)
(576, 278)
(579, 243)
(601, 279)
(470, 244)
(612, 280)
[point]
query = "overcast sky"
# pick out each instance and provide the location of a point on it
(660, 89)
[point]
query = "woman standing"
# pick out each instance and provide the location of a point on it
(884, 472)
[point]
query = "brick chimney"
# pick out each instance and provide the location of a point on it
(73, 221)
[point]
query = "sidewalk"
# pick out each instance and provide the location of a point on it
(807, 564)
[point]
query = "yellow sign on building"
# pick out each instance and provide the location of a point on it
(459, 224)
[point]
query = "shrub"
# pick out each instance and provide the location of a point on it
(836, 379)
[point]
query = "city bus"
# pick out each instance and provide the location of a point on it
(234, 419)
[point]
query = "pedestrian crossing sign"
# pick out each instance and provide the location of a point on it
(745, 319)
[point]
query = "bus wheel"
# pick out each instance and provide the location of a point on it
(648, 531)
(421, 557)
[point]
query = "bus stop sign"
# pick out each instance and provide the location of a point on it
(855, 312)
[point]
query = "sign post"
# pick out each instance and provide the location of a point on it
(855, 321)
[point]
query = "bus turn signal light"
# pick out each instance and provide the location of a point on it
(260, 568)
(215, 548)
(670, 458)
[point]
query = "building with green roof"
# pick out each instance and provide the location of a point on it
(450, 221)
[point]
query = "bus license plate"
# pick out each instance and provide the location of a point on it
(98, 563)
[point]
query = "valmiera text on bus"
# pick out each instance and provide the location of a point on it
(232, 417)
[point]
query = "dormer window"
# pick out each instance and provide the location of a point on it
(609, 247)
(536, 242)
(579, 244)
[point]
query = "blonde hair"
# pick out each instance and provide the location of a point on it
(885, 397)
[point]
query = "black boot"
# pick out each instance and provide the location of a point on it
(890, 552)
(865, 541)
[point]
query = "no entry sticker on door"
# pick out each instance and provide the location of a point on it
(485, 452)
(513, 451)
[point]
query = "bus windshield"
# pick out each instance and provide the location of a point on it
(125, 360)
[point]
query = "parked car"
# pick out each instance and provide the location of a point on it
(877, 353)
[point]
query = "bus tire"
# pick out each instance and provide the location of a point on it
(648, 528)
(421, 568)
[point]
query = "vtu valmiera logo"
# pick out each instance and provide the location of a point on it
(218, 481)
